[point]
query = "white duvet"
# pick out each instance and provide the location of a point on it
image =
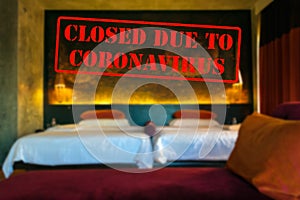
(193, 143)
(71, 145)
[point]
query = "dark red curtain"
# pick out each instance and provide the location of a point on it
(280, 54)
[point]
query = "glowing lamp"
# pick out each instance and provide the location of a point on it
(59, 88)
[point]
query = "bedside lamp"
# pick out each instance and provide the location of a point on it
(59, 88)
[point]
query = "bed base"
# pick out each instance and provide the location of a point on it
(28, 167)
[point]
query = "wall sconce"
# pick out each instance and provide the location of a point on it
(234, 93)
(59, 88)
(238, 88)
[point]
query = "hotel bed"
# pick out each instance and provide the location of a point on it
(190, 139)
(116, 142)
(91, 141)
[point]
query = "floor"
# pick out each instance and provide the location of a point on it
(18, 171)
(1, 175)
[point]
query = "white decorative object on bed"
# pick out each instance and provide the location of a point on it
(98, 141)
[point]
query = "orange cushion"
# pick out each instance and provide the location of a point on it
(267, 154)
(202, 114)
(102, 114)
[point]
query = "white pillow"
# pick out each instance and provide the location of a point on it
(104, 122)
(194, 123)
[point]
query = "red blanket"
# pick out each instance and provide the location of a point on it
(166, 183)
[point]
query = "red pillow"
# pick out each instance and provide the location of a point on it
(192, 114)
(102, 114)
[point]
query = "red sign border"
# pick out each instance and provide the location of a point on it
(146, 23)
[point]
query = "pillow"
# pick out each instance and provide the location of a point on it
(194, 122)
(192, 114)
(104, 123)
(102, 114)
(267, 154)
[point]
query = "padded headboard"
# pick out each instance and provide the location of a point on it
(140, 114)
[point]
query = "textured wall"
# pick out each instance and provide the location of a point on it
(8, 75)
(30, 67)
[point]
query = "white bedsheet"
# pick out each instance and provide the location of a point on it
(62, 145)
(190, 143)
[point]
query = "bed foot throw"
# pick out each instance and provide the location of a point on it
(167, 183)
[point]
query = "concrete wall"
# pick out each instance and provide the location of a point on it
(8, 75)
